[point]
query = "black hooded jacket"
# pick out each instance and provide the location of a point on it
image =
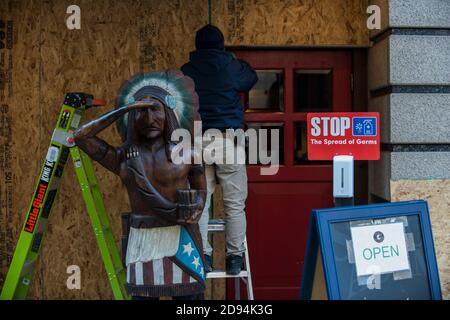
(219, 78)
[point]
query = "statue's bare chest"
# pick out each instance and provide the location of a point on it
(160, 170)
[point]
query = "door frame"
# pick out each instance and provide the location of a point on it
(359, 103)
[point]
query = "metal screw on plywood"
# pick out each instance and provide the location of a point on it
(218, 225)
(20, 273)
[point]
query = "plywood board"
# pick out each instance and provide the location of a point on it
(437, 194)
(116, 40)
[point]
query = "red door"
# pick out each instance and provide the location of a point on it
(291, 83)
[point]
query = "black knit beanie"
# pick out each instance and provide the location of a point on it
(209, 37)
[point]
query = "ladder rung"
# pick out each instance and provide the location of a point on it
(216, 274)
(214, 228)
(103, 230)
(216, 221)
(117, 272)
(216, 225)
(88, 186)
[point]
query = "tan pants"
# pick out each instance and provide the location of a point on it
(233, 180)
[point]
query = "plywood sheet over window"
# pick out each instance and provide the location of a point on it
(116, 40)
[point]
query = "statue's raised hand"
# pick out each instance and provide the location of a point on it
(141, 104)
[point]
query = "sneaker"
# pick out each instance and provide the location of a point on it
(233, 264)
(208, 263)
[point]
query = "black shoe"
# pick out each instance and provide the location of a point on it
(234, 264)
(208, 264)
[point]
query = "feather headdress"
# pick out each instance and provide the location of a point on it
(181, 98)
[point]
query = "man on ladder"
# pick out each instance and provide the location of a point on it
(219, 78)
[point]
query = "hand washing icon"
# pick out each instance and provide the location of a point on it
(364, 126)
(368, 127)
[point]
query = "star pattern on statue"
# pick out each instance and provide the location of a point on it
(196, 262)
(187, 248)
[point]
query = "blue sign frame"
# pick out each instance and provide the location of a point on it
(320, 234)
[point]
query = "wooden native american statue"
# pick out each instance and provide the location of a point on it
(163, 255)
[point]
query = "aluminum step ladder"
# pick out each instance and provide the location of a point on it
(218, 226)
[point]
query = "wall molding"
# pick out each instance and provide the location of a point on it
(415, 147)
(408, 31)
(409, 89)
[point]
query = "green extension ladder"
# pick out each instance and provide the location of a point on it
(20, 271)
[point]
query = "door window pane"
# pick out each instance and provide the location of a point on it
(267, 94)
(312, 90)
(301, 145)
(265, 145)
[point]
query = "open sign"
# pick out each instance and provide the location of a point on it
(386, 254)
(344, 133)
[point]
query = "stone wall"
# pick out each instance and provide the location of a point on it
(409, 84)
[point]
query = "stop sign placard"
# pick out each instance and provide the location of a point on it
(344, 133)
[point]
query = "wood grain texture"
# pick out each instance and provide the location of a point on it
(292, 22)
(437, 194)
(116, 40)
(218, 243)
(20, 121)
